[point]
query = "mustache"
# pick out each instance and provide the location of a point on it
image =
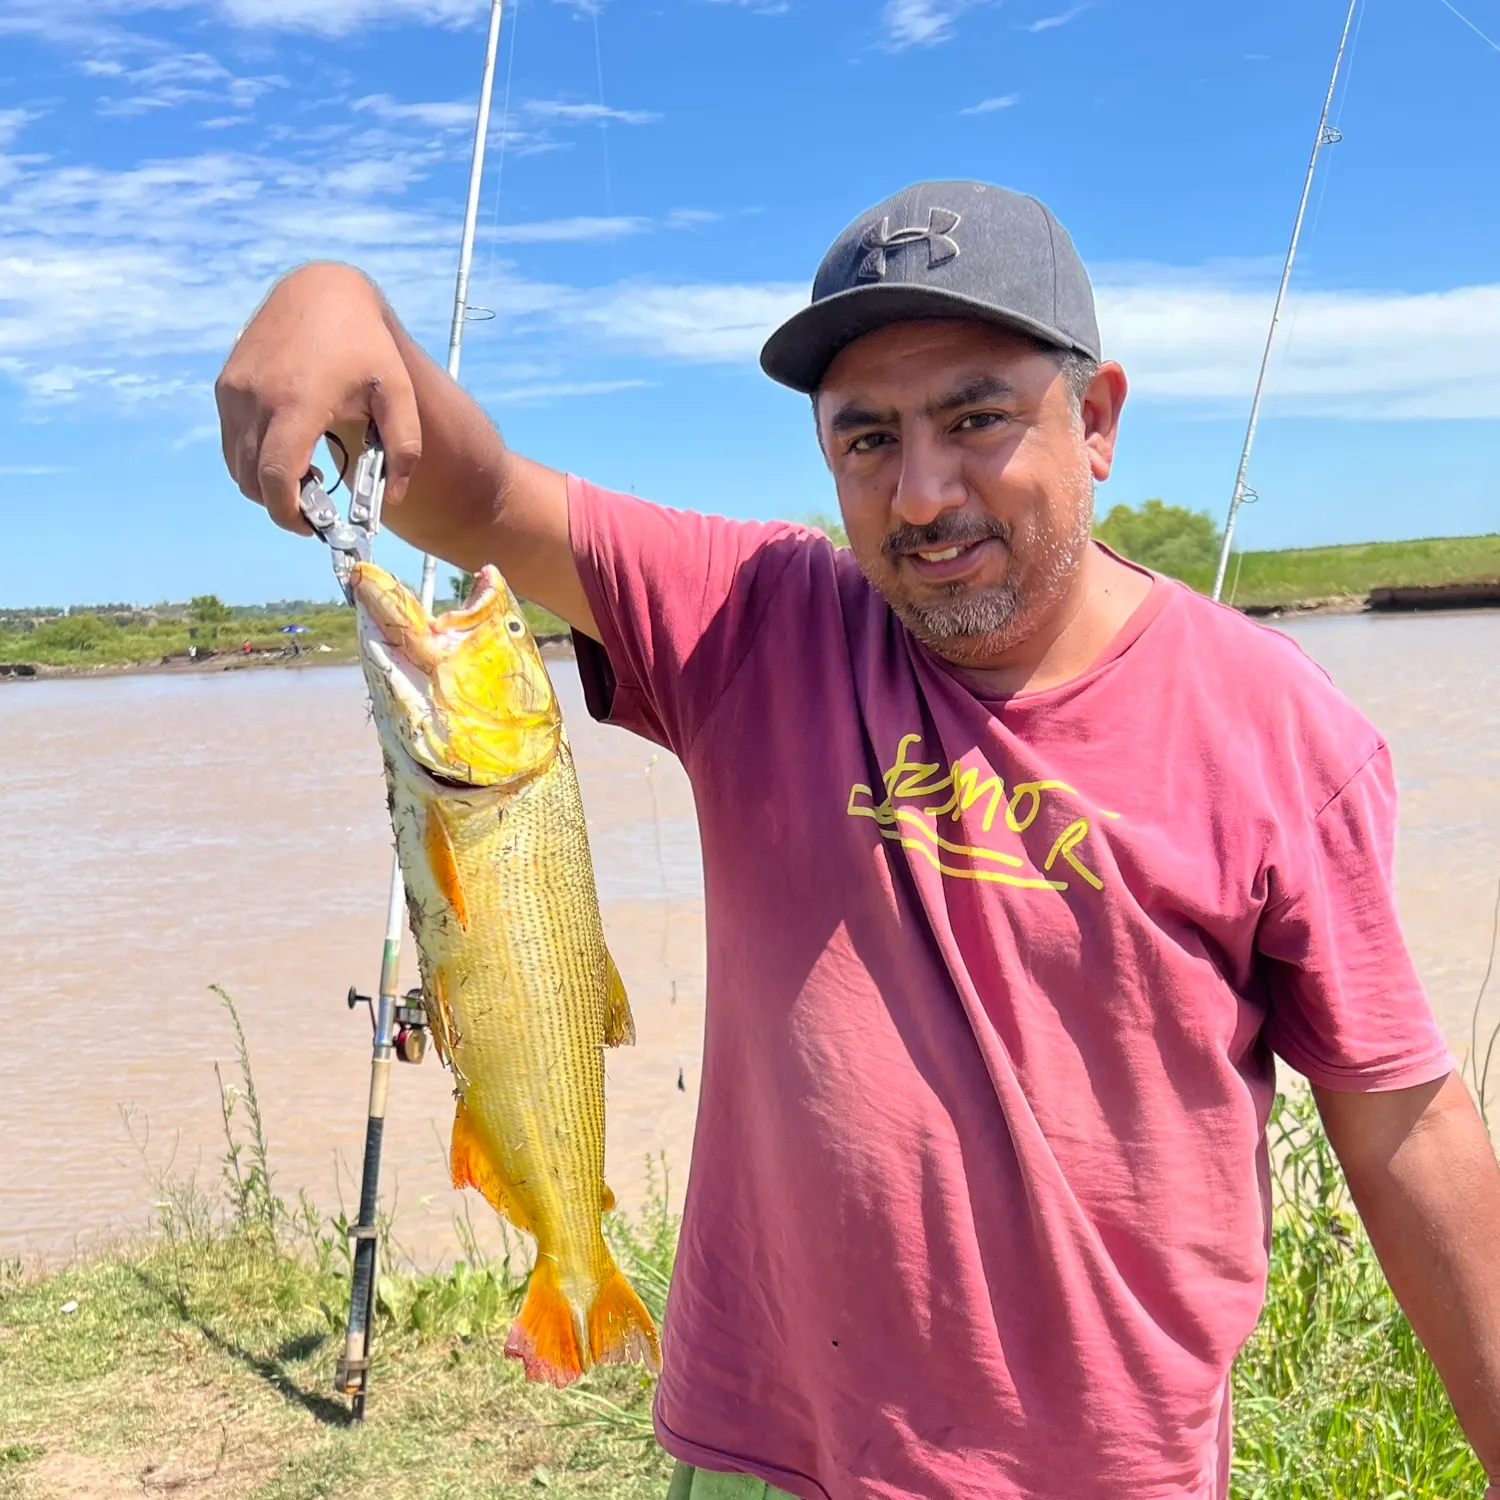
(948, 530)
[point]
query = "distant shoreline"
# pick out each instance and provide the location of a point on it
(221, 662)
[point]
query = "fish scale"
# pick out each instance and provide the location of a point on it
(516, 975)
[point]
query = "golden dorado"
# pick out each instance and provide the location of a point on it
(520, 991)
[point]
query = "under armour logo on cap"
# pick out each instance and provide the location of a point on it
(941, 222)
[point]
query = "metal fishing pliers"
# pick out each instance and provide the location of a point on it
(348, 540)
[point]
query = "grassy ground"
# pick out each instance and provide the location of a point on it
(200, 1365)
(85, 640)
(1317, 573)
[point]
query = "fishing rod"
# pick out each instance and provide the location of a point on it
(399, 1021)
(1326, 136)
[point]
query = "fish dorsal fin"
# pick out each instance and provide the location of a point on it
(619, 1024)
(471, 1165)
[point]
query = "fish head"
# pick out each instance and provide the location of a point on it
(464, 695)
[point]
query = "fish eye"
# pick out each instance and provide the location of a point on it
(515, 626)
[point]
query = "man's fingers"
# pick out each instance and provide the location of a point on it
(286, 454)
(393, 405)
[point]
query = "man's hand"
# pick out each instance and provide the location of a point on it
(1423, 1174)
(326, 354)
(317, 357)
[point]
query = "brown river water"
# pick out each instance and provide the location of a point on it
(161, 834)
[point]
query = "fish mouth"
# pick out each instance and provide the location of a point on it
(463, 696)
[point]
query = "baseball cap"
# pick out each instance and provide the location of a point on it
(940, 250)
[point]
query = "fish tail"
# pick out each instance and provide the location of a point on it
(620, 1328)
(544, 1336)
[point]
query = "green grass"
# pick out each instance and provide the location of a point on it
(85, 640)
(201, 1361)
(1318, 573)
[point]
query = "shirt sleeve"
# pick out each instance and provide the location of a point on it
(1346, 1006)
(678, 597)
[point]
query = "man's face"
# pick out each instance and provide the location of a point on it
(965, 471)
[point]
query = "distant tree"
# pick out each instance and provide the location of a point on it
(207, 609)
(831, 528)
(81, 632)
(1168, 538)
(462, 585)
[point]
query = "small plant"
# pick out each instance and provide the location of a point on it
(1333, 1394)
(1479, 1073)
(646, 1245)
(257, 1211)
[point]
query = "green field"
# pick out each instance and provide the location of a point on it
(86, 638)
(200, 1362)
(123, 636)
(1321, 573)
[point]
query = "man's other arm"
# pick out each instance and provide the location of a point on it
(325, 353)
(1422, 1171)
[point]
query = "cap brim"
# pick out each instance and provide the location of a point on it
(799, 353)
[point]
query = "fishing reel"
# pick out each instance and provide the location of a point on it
(410, 1039)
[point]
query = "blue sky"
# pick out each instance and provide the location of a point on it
(671, 172)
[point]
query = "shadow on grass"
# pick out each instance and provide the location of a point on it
(321, 1408)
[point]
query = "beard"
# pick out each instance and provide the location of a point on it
(963, 623)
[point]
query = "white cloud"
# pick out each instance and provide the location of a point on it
(524, 395)
(569, 231)
(455, 114)
(586, 114)
(703, 323)
(1051, 23)
(13, 122)
(989, 106)
(340, 17)
(1385, 355)
(178, 78)
(922, 23)
(127, 287)
(93, 26)
(760, 7)
(26, 471)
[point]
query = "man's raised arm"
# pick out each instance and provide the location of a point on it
(325, 353)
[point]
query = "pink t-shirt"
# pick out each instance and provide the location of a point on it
(979, 1199)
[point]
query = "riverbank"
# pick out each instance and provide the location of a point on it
(1352, 577)
(1430, 574)
(201, 1364)
(322, 639)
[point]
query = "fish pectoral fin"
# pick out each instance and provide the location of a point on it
(620, 1328)
(471, 1166)
(438, 844)
(545, 1335)
(619, 1024)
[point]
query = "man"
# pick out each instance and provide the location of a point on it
(1020, 862)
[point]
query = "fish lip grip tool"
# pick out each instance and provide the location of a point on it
(348, 538)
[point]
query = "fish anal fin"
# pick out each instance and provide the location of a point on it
(438, 844)
(619, 1024)
(620, 1328)
(544, 1336)
(470, 1163)
(606, 1197)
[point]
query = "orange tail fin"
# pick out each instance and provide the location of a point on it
(544, 1336)
(620, 1328)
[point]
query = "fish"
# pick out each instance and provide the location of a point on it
(521, 994)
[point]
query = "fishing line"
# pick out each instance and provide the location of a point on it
(1290, 339)
(1472, 27)
(609, 195)
(510, 69)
